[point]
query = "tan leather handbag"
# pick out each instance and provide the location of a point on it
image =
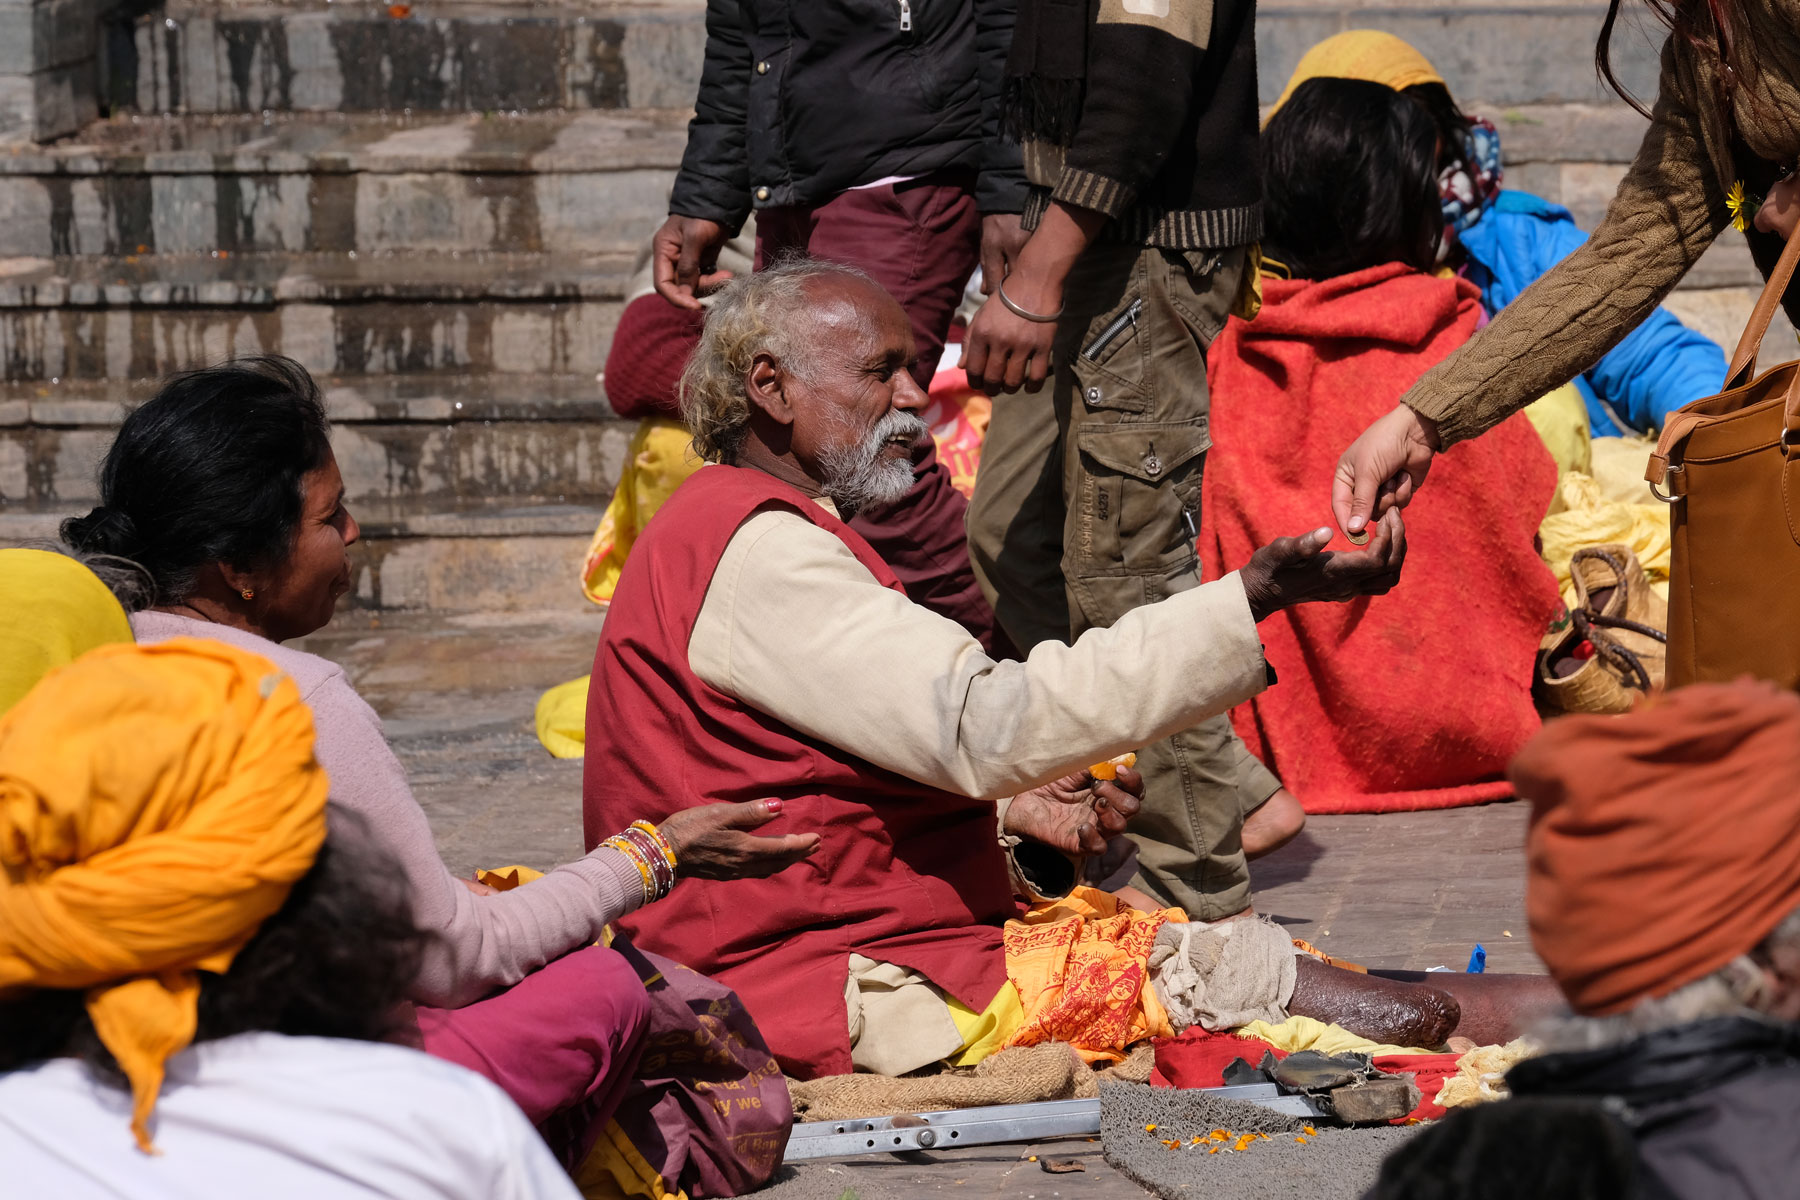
(1728, 467)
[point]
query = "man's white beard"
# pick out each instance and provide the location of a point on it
(858, 476)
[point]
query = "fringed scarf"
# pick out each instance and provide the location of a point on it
(1046, 70)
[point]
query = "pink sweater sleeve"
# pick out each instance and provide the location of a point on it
(483, 943)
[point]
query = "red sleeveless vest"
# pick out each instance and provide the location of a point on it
(906, 873)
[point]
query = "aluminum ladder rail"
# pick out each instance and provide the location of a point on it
(991, 1126)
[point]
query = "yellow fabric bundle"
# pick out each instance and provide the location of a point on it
(659, 458)
(1589, 517)
(55, 610)
(157, 803)
(1366, 54)
(561, 718)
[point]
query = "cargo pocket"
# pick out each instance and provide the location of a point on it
(1110, 366)
(1138, 512)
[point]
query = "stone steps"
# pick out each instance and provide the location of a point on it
(358, 57)
(460, 439)
(138, 317)
(456, 57)
(584, 183)
(432, 556)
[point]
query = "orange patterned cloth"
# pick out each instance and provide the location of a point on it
(1081, 968)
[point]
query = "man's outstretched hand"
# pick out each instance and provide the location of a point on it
(1076, 814)
(1294, 570)
(685, 258)
(1383, 468)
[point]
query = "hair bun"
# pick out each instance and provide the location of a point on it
(103, 531)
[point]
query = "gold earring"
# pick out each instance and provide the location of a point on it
(247, 594)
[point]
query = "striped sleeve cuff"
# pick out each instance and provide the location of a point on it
(1097, 193)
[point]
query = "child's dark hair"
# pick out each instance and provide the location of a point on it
(1350, 180)
(1452, 123)
(208, 470)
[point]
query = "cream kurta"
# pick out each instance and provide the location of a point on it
(795, 627)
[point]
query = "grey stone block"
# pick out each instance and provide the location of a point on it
(48, 103)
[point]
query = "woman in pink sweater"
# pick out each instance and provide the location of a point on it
(224, 488)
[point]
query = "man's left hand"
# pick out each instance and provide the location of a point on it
(1076, 814)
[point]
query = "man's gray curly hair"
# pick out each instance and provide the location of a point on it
(764, 312)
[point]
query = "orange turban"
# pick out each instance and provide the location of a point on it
(156, 805)
(1664, 843)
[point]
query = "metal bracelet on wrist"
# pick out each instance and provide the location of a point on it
(1015, 310)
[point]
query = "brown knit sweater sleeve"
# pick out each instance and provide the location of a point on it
(1668, 210)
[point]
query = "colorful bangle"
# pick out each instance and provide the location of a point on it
(656, 836)
(647, 850)
(635, 859)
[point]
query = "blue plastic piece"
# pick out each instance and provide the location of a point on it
(1478, 960)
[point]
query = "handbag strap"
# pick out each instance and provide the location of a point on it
(1743, 362)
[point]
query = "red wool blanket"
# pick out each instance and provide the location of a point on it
(1415, 699)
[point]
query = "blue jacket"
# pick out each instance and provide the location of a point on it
(1660, 366)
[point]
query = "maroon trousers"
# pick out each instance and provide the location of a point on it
(920, 240)
(563, 1042)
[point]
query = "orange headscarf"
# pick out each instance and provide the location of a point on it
(1664, 843)
(156, 805)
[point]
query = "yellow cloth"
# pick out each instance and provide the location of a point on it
(986, 1032)
(1561, 420)
(1587, 517)
(1362, 54)
(659, 458)
(1081, 967)
(562, 718)
(54, 611)
(156, 805)
(1305, 1033)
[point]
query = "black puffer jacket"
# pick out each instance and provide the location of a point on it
(802, 99)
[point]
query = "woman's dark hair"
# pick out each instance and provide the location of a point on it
(336, 960)
(1350, 180)
(1452, 124)
(1715, 28)
(208, 470)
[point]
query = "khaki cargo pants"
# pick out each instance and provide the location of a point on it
(1087, 505)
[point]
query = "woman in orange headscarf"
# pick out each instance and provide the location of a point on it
(175, 923)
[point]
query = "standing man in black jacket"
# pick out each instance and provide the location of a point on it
(1139, 125)
(865, 132)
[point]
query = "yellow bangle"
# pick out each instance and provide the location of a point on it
(655, 835)
(636, 859)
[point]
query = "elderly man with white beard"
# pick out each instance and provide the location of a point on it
(758, 649)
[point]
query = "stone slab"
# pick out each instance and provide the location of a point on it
(583, 183)
(418, 461)
(360, 57)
